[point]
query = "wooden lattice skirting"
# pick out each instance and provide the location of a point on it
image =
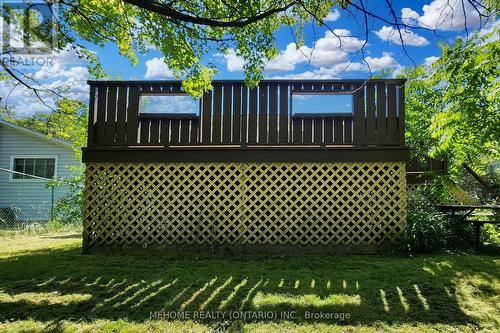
(281, 204)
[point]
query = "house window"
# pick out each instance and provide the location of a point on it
(35, 166)
(170, 103)
(322, 103)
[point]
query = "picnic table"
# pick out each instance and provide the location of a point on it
(467, 213)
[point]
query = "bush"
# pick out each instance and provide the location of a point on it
(68, 210)
(430, 230)
(490, 235)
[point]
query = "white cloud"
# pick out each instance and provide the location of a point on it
(234, 62)
(24, 102)
(332, 16)
(158, 69)
(393, 35)
(430, 60)
(316, 74)
(384, 62)
(63, 71)
(329, 57)
(336, 71)
(329, 50)
(68, 56)
(58, 71)
(409, 16)
(341, 39)
(334, 48)
(444, 15)
(287, 59)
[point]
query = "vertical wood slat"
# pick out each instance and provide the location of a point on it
(391, 137)
(226, 122)
(144, 131)
(92, 113)
(348, 125)
(174, 130)
(296, 124)
(133, 114)
(328, 130)
(307, 123)
(283, 113)
(252, 116)
(236, 113)
(273, 113)
(195, 130)
(308, 130)
(370, 113)
(184, 128)
(262, 123)
(154, 131)
(121, 114)
(101, 114)
(381, 114)
(297, 130)
(359, 116)
(110, 116)
(206, 117)
(244, 115)
(318, 130)
(401, 116)
(338, 131)
(165, 131)
(217, 114)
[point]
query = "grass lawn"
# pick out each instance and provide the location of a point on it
(47, 285)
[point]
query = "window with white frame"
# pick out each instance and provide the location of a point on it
(24, 166)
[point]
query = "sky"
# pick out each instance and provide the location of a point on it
(322, 56)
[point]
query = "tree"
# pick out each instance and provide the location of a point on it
(453, 107)
(185, 31)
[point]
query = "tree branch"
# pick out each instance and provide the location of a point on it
(169, 11)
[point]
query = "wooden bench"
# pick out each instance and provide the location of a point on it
(467, 213)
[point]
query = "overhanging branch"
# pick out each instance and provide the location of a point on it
(169, 11)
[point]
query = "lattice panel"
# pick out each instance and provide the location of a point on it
(244, 203)
(433, 193)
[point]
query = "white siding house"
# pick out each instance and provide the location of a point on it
(34, 153)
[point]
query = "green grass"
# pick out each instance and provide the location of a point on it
(47, 285)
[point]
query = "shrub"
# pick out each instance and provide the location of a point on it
(68, 209)
(490, 234)
(430, 230)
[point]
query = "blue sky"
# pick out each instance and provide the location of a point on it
(322, 56)
(383, 45)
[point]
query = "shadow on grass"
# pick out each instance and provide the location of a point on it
(62, 284)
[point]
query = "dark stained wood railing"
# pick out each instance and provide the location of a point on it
(233, 114)
(418, 171)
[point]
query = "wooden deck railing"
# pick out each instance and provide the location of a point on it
(232, 114)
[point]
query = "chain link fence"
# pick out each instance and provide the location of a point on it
(25, 199)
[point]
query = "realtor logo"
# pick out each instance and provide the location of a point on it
(29, 27)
